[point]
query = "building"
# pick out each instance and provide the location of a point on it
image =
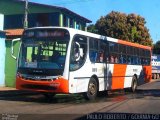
(11, 21)
(39, 15)
(2, 58)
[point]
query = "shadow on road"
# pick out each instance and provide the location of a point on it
(25, 96)
(76, 98)
(149, 92)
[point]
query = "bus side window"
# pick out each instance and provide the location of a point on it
(101, 56)
(93, 56)
(93, 50)
(116, 59)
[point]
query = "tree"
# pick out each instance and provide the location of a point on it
(156, 48)
(129, 27)
(92, 28)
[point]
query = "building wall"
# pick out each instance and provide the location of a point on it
(2, 58)
(10, 64)
(34, 20)
(8, 7)
(42, 19)
(1, 21)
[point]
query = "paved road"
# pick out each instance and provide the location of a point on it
(35, 106)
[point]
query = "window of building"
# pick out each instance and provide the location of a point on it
(42, 19)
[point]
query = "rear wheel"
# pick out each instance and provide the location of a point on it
(134, 84)
(157, 76)
(91, 93)
(154, 76)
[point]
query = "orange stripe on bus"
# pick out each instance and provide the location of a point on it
(133, 44)
(118, 76)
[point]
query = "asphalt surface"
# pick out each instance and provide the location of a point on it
(24, 105)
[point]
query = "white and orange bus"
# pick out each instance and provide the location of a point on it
(56, 60)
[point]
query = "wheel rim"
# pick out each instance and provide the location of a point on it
(92, 89)
(134, 85)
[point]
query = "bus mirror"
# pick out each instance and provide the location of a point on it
(12, 47)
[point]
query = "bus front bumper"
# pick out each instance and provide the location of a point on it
(59, 85)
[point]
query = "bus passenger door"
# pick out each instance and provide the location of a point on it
(104, 47)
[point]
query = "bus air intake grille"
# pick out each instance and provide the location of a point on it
(41, 87)
(38, 79)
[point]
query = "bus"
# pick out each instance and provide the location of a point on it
(155, 66)
(55, 60)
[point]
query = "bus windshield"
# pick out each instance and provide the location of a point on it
(43, 53)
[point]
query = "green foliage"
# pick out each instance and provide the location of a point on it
(92, 29)
(156, 48)
(129, 27)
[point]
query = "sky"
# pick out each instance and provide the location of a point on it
(94, 9)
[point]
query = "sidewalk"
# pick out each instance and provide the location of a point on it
(9, 91)
(6, 88)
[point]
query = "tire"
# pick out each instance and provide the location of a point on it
(157, 76)
(91, 93)
(134, 84)
(154, 76)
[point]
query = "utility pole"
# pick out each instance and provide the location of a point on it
(26, 15)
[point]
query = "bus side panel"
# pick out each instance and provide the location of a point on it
(99, 72)
(77, 84)
(118, 76)
(79, 79)
(132, 70)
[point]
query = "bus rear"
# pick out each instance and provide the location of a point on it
(42, 58)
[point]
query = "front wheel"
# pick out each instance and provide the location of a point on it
(91, 93)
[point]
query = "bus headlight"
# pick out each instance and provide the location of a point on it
(19, 74)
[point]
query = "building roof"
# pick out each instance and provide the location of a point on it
(63, 9)
(2, 34)
(50, 8)
(14, 32)
(2, 31)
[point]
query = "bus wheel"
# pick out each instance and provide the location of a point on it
(154, 76)
(134, 84)
(91, 93)
(157, 76)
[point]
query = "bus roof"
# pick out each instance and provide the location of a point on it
(76, 31)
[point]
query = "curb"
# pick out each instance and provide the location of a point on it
(12, 92)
